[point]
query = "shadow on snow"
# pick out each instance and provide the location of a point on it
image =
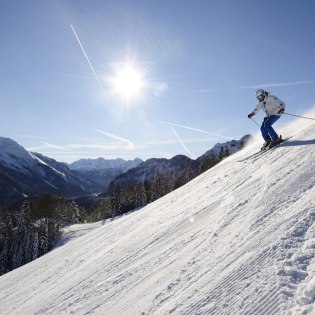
(298, 143)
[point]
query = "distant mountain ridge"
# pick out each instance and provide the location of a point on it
(167, 168)
(101, 163)
(146, 171)
(103, 171)
(221, 149)
(26, 174)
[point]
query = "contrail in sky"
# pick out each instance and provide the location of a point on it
(182, 143)
(194, 129)
(266, 85)
(130, 145)
(87, 58)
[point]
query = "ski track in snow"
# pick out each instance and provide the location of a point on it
(239, 239)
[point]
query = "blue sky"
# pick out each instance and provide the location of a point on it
(200, 64)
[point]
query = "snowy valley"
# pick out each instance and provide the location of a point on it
(238, 239)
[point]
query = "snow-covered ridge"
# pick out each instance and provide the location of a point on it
(239, 239)
(24, 173)
(42, 162)
(16, 157)
(12, 154)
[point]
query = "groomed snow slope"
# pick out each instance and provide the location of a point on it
(239, 239)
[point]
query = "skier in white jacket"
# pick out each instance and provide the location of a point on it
(273, 107)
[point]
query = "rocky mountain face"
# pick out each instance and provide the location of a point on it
(25, 174)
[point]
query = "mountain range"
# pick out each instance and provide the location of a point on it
(26, 174)
(29, 174)
(147, 170)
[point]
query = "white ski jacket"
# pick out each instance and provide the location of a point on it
(271, 105)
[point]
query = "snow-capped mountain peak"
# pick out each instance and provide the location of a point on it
(24, 173)
(14, 155)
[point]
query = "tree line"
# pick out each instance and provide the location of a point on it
(126, 199)
(31, 231)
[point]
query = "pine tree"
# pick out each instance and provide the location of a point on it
(22, 252)
(117, 201)
(224, 152)
(188, 172)
(178, 180)
(156, 189)
(171, 184)
(74, 212)
(147, 191)
(62, 212)
(139, 195)
(208, 162)
(6, 241)
(35, 253)
(43, 241)
(103, 211)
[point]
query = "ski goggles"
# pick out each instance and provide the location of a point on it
(260, 97)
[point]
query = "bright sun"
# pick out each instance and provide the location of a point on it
(128, 82)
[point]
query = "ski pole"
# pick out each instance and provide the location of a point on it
(255, 122)
(299, 116)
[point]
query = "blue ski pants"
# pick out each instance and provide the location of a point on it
(267, 131)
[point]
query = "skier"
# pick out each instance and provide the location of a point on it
(273, 107)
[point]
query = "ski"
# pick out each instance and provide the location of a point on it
(270, 149)
(258, 154)
(252, 156)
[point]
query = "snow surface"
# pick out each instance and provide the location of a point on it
(72, 232)
(239, 239)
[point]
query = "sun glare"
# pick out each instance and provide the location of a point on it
(128, 82)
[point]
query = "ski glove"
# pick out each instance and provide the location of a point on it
(281, 111)
(250, 115)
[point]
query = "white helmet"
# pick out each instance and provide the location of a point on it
(260, 92)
